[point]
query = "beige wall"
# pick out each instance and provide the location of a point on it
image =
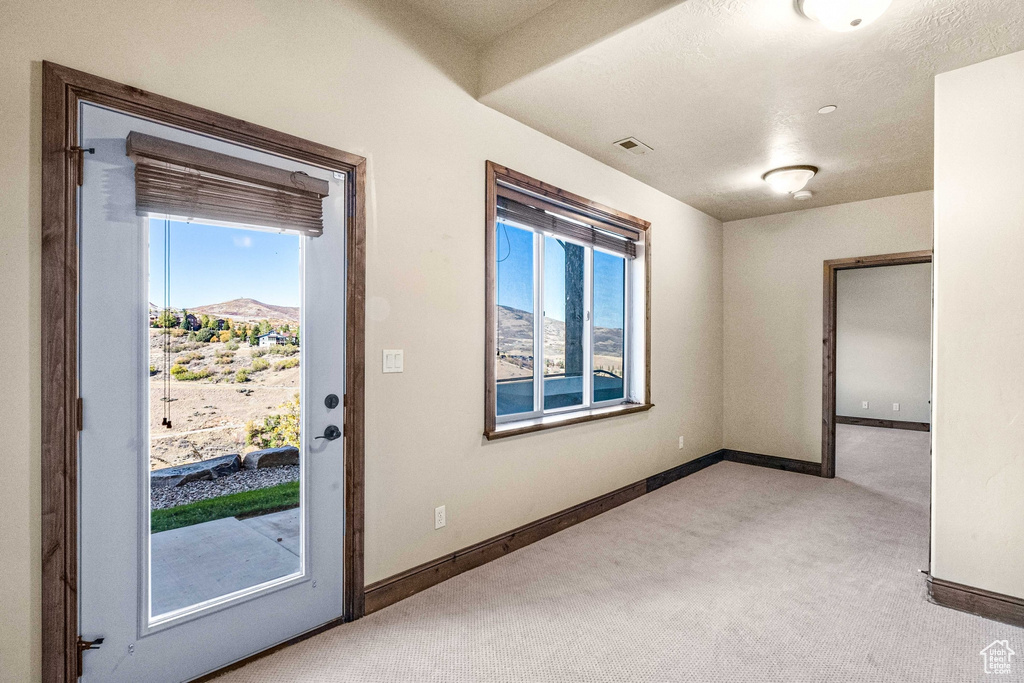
(978, 447)
(772, 281)
(393, 88)
(884, 342)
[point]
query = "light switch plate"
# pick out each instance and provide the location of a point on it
(864, 405)
(896, 406)
(394, 360)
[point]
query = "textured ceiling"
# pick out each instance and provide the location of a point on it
(478, 21)
(725, 90)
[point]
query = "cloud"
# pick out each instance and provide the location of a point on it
(244, 242)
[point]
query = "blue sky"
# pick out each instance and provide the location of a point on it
(515, 277)
(212, 264)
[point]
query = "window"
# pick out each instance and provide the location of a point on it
(568, 286)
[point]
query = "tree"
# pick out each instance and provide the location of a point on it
(253, 341)
(205, 334)
(264, 326)
(184, 319)
(277, 430)
(285, 329)
(167, 319)
(204, 321)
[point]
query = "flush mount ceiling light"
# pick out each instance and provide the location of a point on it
(828, 109)
(802, 195)
(843, 15)
(789, 179)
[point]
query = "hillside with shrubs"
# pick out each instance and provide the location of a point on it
(228, 392)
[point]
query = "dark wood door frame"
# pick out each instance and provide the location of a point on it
(828, 374)
(63, 89)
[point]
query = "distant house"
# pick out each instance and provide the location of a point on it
(271, 339)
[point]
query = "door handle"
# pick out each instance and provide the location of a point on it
(330, 433)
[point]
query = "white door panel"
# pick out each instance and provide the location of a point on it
(114, 447)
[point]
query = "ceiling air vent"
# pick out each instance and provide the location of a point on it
(634, 146)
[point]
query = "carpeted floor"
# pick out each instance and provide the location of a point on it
(736, 573)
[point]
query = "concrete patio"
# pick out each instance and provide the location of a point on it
(205, 561)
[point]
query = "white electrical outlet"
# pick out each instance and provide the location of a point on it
(680, 443)
(864, 405)
(439, 517)
(394, 360)
(896, 406)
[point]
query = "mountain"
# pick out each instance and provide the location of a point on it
(515, 331)
(515, 335)
(248, 309)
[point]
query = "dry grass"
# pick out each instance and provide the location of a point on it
(209, 412)
(286, 364)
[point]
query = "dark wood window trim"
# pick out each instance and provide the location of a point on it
(551, 422)
(62, 90)
(828, 371)
(494, 173)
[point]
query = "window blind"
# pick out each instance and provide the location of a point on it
(181, 180)
(538, 215)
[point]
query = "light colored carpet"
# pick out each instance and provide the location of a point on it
(736, 573)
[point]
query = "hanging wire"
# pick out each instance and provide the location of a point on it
(504, 231)
(167, 324)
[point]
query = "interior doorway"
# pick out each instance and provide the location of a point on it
(146, 388)
(832, 269)
(883, 347)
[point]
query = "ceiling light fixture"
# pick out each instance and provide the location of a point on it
(828, 109)
(801, 195)
(789, 179)
(843, 15)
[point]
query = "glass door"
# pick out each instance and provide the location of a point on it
(211, 371)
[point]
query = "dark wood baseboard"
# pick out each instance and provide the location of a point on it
(656, 481)
(982, 603)
(885, 424)
(773, 462)
(388, 591)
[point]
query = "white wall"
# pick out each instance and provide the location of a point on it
(772, 281)
(372, 80)
(978, 446)
(883, 342)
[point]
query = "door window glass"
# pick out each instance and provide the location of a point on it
(225, 357)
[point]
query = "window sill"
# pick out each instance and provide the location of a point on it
(538, 424)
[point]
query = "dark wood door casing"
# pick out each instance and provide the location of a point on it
(828, 370)
(63, 90)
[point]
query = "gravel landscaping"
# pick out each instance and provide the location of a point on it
(243, 480)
